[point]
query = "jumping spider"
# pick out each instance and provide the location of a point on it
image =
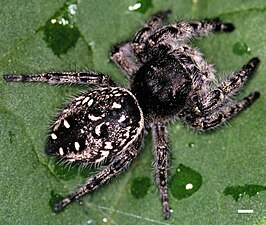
(169, 79)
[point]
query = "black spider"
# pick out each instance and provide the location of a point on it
(168, 79)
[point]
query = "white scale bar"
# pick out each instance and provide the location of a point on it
(245, 211)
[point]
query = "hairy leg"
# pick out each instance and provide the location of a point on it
(151, 26)
(161, 163)
(182, 31)
(124, 56)
(218, 116)
(225, 90)
(119, 164)
(92, 78)
(169, 37)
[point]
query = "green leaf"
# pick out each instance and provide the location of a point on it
(234, 155)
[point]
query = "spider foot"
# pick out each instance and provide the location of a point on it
(224, 27)
(59, 206)
(166, 210)
(13, 78)
(252, 63)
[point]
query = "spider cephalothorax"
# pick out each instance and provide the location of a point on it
(168, 79)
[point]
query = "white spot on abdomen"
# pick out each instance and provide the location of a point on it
(90, 102)
(121, 119)
(116, 106)
(53, 136)
(66, 124)
(85, 100)
(94, 118)
(78, 102)
(108, 145)
(77, 146)
(61, 151)
(98, 129)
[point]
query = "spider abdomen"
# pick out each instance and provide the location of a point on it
(95, 126)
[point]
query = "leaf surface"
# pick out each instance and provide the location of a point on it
(234, 155)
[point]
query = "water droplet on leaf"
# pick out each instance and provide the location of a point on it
(60, 32)
(140, 186)
(241, 48)
(248, 189)
(191, 144)
(185, 182)
(141, 6)
(54, 199)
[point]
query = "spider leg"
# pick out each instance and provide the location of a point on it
(161, 163)
(123, 55)
(182, 31)
(170, 37)
(211, 120)
(226, 89)
(152, 25)
(120, 163)
(210, 110)
(92, 78)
